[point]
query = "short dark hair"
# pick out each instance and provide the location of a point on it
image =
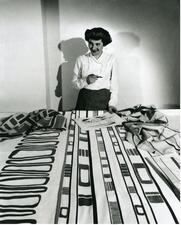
(98, 33)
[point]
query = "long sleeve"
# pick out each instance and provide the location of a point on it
(114, 85)
(78, 80)
(105, 66)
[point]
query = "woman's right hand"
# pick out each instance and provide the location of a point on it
(91, 78)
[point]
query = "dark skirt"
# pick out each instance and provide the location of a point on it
(93, 99)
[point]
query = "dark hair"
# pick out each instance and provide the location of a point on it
(98, 33)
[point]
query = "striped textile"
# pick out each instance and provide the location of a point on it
(161, 144)
(107, 180)
(78, 176)
(23, 123)
(28, 177)
(152, 137)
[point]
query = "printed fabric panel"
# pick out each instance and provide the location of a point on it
(107, 180)
(77, 176)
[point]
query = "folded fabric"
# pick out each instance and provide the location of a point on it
(148, 129)
(158, 139)
(23, 123)
(143, 114)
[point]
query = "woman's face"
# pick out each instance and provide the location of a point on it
(96, 47)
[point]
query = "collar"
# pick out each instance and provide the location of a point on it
(100, 59)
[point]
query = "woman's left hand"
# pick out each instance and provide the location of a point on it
(112, 109)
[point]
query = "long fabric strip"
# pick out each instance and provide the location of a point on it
(148, 130)
(86, 177)
(106, 180)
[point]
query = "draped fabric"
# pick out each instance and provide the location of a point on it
(143, 113)
(155, 138)
(78, 176)
(148, 130)
(23, 123)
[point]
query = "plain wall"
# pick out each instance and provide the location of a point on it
(145, 39)
(22, 62)
(53, 56)
(40, 40)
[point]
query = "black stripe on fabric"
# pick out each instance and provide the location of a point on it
(57, 212)
(106, 175)
(125, 172)
(70, 181)
(85, 200)
(169, 169)
(20, 116)
(98, 134)
(114, 207)
(13, 121)
(16, 221)
(31, 211)
(32, 161)
(45, 132)
(122, 141)
(149, 173)
(77, 174)
(95, 215)
(165, 200)
(155, 198)
(7, 127)
(176, 163)
(115, 213)
(165, 179)
(52, 122)
(132, 190)
(175, 191)
(77, 115)
(173, 145)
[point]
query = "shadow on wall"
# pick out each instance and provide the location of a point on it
(126, 45)
(71, 48)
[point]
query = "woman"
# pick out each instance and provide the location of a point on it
(95, 74)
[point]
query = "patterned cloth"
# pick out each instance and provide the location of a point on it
(82, 177)
(148, 129)
(23, 123)
(106, 180)
(143, 114)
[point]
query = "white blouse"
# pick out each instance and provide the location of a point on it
(105, 66)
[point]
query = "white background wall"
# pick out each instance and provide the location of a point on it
(145, 38)
(22, 64)
(50, 16)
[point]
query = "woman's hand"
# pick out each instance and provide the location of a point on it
(112, 109)
(91, 78)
